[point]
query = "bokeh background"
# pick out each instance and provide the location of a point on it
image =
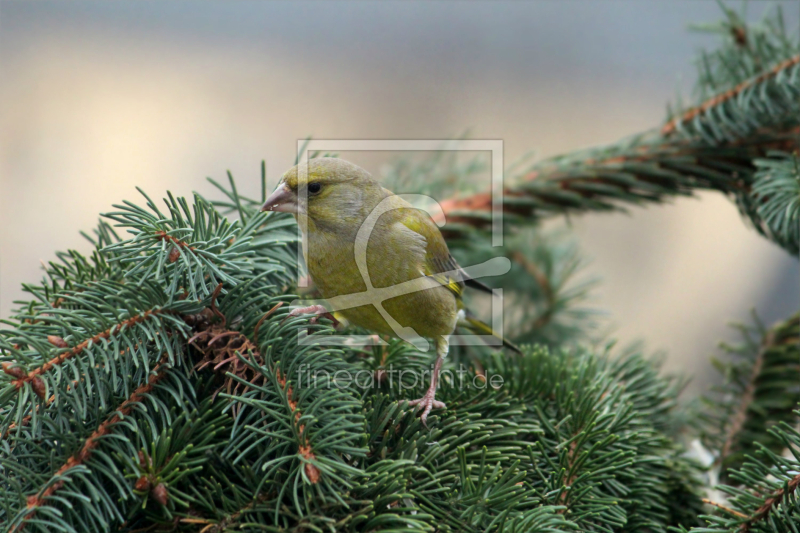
(100, 97)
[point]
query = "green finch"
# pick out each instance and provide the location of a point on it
(381, 263)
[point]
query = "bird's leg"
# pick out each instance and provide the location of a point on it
(428, 401)
(317, 310)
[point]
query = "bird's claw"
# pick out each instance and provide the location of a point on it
(427, 403)
(316, 310)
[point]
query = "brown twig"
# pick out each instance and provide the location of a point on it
(174, 253)
(214, 296)
(263, 318)
(723, 508)
(164, 236)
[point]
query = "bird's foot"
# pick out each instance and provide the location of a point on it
(427, 403)
(318, 311)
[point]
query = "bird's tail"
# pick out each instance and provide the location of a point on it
(478, 327)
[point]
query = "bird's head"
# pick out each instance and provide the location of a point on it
(330, 191)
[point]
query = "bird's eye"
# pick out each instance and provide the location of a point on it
(314, 187)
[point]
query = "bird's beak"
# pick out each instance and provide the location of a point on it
(282, 200)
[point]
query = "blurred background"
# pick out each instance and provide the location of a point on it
(100, 97)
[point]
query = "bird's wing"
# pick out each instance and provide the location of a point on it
(474, 283)
(437, 263)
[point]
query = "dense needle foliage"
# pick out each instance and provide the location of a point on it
(158, 384)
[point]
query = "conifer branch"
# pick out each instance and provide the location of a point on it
(739, 416)
(674, 125)
(300, 450)
(233, 518)
(759, 391)
(775, 199)
(763, 495)
(724, 142)
(27, 418)
(57, 481)
(34, 374)
(769, 504)
(569, 477)
(643, 169)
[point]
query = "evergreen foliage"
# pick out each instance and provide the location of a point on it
(762, 494)
(776, 194)
(759, 390)
(158, 384)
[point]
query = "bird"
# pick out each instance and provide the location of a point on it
(362, 240)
